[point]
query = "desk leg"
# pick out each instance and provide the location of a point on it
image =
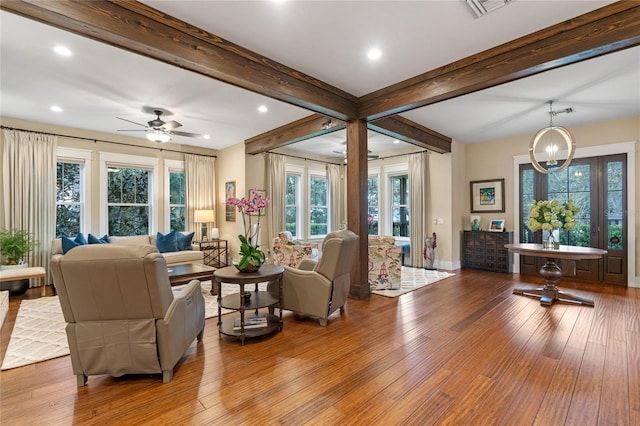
(550, 293)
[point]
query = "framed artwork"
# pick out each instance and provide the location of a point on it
(229, 191)
(487, 196)
(496, 225)
(475, 223)
(263, 193)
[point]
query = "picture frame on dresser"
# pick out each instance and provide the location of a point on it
(496, 225)
(487, 196)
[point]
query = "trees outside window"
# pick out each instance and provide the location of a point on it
(318, 206)
(373, 205)
(128, 206)
(292, 222)
(68, 199)
(400, 205)
(177, 209)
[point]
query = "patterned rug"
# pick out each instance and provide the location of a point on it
(413, 279)
(38, 333)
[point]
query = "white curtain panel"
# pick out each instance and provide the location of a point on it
(28, 200)
(200, 188)
(333, 172)
(418, 205)
(276, 190)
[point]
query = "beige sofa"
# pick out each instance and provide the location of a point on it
(122, 316)
(172, 258)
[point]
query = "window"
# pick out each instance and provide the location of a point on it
(318, 206)
(373, 205)
(400, 205)
(68, 198)
(128, 205)
(292, 212)
(177, 210)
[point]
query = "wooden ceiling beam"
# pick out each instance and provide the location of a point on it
(143, 30)
(299, 130)
(411, 132)
(608, 29)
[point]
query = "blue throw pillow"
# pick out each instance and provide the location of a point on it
(184, 241)
(68, 243)
(167, 243)
(92, 239)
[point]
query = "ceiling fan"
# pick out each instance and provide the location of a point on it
(158, 130)
(370, 155)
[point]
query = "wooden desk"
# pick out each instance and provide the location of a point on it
(552, 272)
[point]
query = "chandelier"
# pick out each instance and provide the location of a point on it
(552, 149)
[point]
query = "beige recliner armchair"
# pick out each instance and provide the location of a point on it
(122, 316)
(320, 287)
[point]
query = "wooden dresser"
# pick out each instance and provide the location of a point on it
(485, 250)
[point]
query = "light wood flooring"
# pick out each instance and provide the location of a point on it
(461, 351)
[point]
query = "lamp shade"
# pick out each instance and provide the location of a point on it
(204, 216)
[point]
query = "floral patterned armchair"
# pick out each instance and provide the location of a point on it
(384, 263)
(287, 253)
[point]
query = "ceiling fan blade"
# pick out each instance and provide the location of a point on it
(124, 119)
(171, 125)
(187, 134)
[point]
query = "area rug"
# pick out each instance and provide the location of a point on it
(38, 333)
(413, 279)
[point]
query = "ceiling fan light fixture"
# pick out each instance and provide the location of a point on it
(158, 136)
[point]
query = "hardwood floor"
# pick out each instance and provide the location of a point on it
(461, 351)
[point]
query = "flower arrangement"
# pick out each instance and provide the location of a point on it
(251, 257)
(550, 215)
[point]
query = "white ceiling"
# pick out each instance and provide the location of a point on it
(327, 40)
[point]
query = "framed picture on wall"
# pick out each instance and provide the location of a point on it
(487, 196)
(230, 210)
(263, 193)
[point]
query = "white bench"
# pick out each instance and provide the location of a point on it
(24, 273)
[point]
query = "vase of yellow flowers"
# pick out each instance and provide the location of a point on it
(251, 257)
(550, 216)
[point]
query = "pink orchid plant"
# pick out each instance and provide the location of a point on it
(251, 255)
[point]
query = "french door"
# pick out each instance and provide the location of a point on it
(598, 186)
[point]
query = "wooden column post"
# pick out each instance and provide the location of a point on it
(357, 173)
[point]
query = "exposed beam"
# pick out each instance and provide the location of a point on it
(406, 130)
(605, 30)
(305, 128)
(143, 30)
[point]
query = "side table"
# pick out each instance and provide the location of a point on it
(215, 252)
(256, 300)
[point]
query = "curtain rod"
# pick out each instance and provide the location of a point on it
(105, 141)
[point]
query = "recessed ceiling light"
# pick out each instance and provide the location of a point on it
(263, 109)
(206, 136)
(396, 141)
(374, 53)
(56, 108)
(62, 50)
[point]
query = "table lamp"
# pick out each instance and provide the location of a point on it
(204, 217)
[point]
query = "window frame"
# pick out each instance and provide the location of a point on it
(108, 159)
(389, 173)
(82, 157)
(173, 166)
(299, 202)
(374, 172)
(317, 173)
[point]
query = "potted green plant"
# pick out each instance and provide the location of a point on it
(15, 246)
